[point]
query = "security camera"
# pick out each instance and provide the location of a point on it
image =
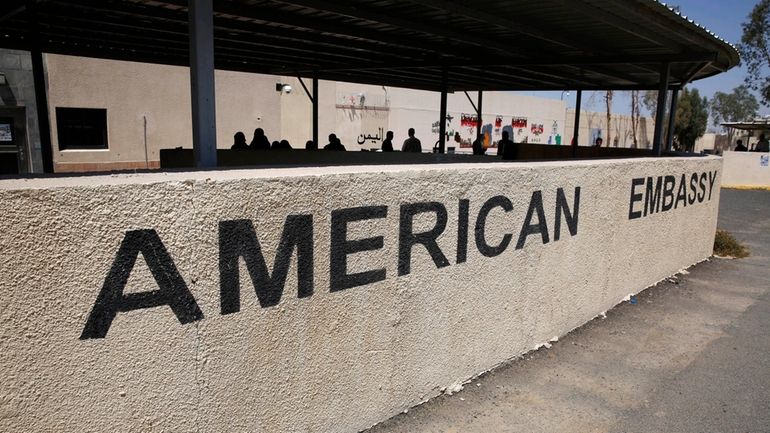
(285, 88)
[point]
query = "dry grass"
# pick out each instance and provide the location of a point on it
(725, 245)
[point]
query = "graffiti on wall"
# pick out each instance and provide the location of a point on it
(520, 129)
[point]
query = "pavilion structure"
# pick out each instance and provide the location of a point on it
(438, 45)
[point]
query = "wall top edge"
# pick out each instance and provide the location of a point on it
(277, 173)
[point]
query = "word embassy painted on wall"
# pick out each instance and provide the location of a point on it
(238, 240)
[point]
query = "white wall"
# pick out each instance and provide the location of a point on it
(334, 361)
(131, 91)
(746, 169)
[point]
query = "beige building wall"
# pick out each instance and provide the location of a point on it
(593, 122)
(133, 93)
(746, 169)
(332, 360)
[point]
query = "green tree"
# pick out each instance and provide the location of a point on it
(736, 106)
(755, 49)
(692, 117)
(650, 102)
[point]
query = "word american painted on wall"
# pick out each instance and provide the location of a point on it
(663, 193)
(238, 240)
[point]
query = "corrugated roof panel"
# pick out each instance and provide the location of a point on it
(512, 44)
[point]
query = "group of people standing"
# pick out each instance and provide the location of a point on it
(260, 142)
(763, 145)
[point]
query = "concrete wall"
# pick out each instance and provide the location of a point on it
(339, 358)
(17, 67)
(132, 92)
(746, 169)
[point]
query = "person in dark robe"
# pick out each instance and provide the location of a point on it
(387, 144)
(260, 141)
(239, 141)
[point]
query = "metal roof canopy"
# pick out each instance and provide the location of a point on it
(751, 125)
(486, 44)
(439, 45)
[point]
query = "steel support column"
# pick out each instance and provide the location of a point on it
(576, 128)
(41, 101)
(478, 114)
(315, 111)
(672, 119)
(41, 92)
(442, 113)
(657, 140)
(201, 21)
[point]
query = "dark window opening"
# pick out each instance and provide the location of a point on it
(81, 128)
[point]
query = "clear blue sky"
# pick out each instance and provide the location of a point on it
(724, 18)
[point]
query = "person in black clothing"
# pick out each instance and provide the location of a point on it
(284, 145)
(260, 141)
(740, 147)
(478, 145)
(334, 143)
(387, 144)
(503, 143)
(239, 141)
(310, 145)
(511, 149)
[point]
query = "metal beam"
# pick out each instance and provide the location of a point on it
(478, 114)
(41, 101)
(381, 17)
(672, 119)
(576, 127)
(442, 112)
(689, 77)
(202, 83)
(507, 23)
(657, 140)
(41, 91)
(473, 104)
(315, 111)
(592, 12)
(503, 61)
(307, 92)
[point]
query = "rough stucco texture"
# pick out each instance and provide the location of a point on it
(335, 361)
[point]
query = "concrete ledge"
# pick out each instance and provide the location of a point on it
(283, 300)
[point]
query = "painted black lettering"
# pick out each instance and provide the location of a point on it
(481, 221)
(408, 239)
(653, 198)
(681, 194)
(237, 238)
(712, 179)
(702, 184)
(172, 290)
(693, 189)
(668, 193)
(462, 230)
(635, 197)
(341, 247)
(570, 216)
(535, 205)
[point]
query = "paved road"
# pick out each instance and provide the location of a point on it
(691, 356)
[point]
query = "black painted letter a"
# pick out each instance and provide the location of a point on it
(172, 290)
